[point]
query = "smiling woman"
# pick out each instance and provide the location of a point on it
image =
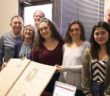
(45, 31)
(101, 36)
(47, 49)
(24, 48)
(96, 62)
(74, 47)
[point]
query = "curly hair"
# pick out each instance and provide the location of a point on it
(55, 34)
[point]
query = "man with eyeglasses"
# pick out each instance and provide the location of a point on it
(9, 39)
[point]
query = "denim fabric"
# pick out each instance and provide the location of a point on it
(79, 93)
(97, 89)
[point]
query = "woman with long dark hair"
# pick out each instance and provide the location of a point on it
(96, 62)
(73, 49)
(47, 49)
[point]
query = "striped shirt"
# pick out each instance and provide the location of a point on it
(98, 69)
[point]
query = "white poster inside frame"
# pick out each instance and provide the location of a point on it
(63, 89)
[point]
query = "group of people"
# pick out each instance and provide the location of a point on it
(78, 62)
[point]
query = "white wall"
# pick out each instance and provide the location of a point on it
(29, 11)
(8, 8)
(106, 2)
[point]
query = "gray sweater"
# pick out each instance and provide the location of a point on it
(7, 43)
(72, 62)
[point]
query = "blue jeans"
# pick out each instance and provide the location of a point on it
(79, 93)
(97, 89)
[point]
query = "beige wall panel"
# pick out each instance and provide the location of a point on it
(8, 8)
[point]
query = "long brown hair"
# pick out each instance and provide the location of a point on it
(55, 34)
(67, 38)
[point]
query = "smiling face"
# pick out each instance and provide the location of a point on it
(38, 16)
(16, 25)
(45, 31)
(101, 36)
(75, 32)
(107, 16)
(28, 32)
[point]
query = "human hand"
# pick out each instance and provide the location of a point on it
(4, 65)
(59, 68)
(23, 58)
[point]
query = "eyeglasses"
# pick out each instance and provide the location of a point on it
(28, 29)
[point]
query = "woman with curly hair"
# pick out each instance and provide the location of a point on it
(47, 49)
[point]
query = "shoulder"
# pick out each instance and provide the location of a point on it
(61, 43)
(87, 50)
(87, 53)
(86, 43)
(6, 34)
(65, 45)
(19, 43)
(87, 58)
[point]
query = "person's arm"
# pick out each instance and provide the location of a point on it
(86, 82)
(76, 68)
(1, 50)
(107, 91)
(107, 81)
